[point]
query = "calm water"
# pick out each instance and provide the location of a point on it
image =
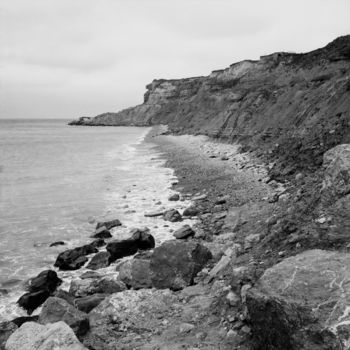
(55, 180)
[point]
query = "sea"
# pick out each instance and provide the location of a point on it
(57, 181)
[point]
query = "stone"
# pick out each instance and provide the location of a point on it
(34, 336)
(302, 303)
(172, 215)
(299, 177)
(251, 239)
(200, 197)
(185, 328)
(56, 309)
(153, 214)
(140, 239)
(190, 211)
(336, 163)
(86, 304)
(97, 243)
(73, 259)
(106, 285)
(30, 301)
(109, 224)
(62, 294)
(174, 197)
(45, 280)
(58, 243)
(184, 232)
(174, 264)
(102, 232)
(6, 329)
(98, 261)
(18, 321)
(232, 298)
(136, 273)
(222, 200)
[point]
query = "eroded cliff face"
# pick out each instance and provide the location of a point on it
(295, 106)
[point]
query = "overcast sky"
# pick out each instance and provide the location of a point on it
(68, 58)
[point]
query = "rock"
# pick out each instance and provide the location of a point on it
(185, 328)
(250, 240)
(6, 329)
(55, 244)
(140, 239)
(199, 197)
(109, 224)
(39, 289)
(56, 309)
(154, 213)
(172, 215)
(224, 158)
(302, 303)
(336, 163)
(18, 321)
(136, 273)
(174, 264)
(232, 298)
(90, 274)
(106, 285)
(97, 243)
(299, 177)
(34, 336)
(86, 304)
(273, 198)
(190, 211)
(99, 261)
(62, 294)
(102, 232)
(73, 259)
(174, 197)
(184, 232)
(222, 200)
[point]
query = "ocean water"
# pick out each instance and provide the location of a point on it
(56, 181)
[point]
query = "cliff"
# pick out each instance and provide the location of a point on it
(298, 103)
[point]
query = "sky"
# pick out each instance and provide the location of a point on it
(72, 58)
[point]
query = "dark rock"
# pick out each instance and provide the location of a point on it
(190, 211)
(73, 259)
(54, 244)
(46, 280)
(222, 200)
(6, 329)
(184, 232)
(174, 197)
(99, 261)
(56, 309)
(136, 273)
(175, 264)
(30, 301)
(18, 321)
(140, 239)
(97, 243)
(302, 303)
(109, 224)
(154, 213)
(86, 304)
(172, 215)
(102, 232)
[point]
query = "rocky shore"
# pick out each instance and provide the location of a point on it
(262, 260)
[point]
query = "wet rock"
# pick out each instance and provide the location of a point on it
(73, 259)
(153, 214)
(102, 232)
(106, 285)
(97, 243)
(86, 304)
(172, 215)
(190, 211)
(56, 309)
(99, 261)
(174, 197)
(6, 329)
(18, 321)
(30, 301)
(34, 336)
(109, 224)
(184, 232)
(302, 303)
(175, 264)
(136, 273)
(58, 243)
(140, 239)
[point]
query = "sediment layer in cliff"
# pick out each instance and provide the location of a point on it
(294, 106)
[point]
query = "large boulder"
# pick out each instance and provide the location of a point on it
(107, 285)
(31, 301)
(73, 259)
(172, 215)
(336, 162)
(302, 303)
(86, 304)
(34, 336)
(109, 224)
(136, 273)
(174, 264)
(56, 309)
(6, 329)
(140, 239)
(99, 261)
(102, 232)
